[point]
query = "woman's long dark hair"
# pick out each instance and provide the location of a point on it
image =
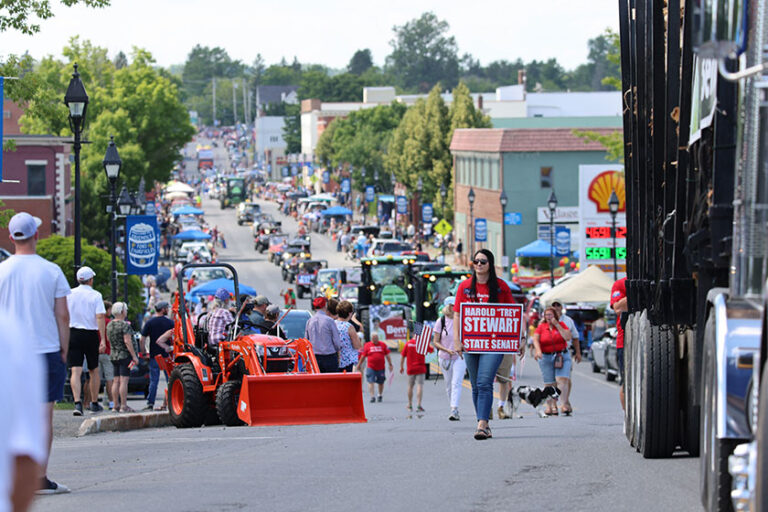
(493, 282)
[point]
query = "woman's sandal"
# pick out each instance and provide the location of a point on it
(483, 433)
(566, 412)
(552, 413)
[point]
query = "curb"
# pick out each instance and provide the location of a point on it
(124, 422)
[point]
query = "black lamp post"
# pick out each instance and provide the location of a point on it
(443, 193)
(112, 164)
(417, 214)
(364, 201)
(503, 201)
(471, 199)
(76, 100)
(125, 205)
(552, 203)
(613, 207)
(393, 181)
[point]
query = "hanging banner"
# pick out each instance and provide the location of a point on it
(326, 177)
(481, 230)
(426, 213)
(143, 246)
(346, 186)
(402, 204)
(370, 193)
(491, 328)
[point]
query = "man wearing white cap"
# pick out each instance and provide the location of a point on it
(87, 337)
(33, 292)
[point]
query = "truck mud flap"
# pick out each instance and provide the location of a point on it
(302, 399)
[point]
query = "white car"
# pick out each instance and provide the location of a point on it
(383, 246)
(200, 248)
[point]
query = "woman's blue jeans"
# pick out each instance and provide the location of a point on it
(482, 370)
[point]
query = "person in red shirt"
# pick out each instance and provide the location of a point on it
(619, 305)
(483, 287)
(376, 352)
(416, 370)
(550, 343)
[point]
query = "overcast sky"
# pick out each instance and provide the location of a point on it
(324, 32)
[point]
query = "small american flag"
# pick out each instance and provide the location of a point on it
(423, 335)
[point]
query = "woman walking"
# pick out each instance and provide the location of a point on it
(350, 342)
(119, 334)
(452, 366)
(482, 287)
(550, 344)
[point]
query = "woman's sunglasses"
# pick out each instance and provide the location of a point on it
(479, 262)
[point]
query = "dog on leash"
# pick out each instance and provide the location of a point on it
(536, 397)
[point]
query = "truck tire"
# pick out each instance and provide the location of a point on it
(643, 328)
(186, 402)
(761, 494)
(714, 478)
(659, 415)
(630, 340)
(690, 420)
(227, 398)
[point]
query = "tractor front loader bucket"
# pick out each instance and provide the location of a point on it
(302, 399)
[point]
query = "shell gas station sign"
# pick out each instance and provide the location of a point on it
(596, 182)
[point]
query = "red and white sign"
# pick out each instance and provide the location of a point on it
(491, 328)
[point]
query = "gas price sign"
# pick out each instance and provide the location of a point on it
(596, 183)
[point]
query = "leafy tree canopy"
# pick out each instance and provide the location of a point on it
(22, 15)
(360, 62)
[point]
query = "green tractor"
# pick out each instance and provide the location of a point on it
(234, 192)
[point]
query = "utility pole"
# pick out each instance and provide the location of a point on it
(234, 101)
(214, 101)
(245, 101)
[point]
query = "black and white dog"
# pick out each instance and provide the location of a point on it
(536, 397)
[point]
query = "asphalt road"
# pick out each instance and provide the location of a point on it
(395, 461)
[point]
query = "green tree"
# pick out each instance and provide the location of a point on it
(121, 60)
(21, 14)
(423, 54)
(204, 63)
(61, 251)
(360, 62)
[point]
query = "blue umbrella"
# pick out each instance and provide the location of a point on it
(210, 288)
(192, 234)
(537, 248)
(337, 210)
(188, 210)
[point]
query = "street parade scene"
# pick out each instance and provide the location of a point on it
(227, 286)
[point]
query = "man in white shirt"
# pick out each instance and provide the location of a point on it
(87, 337)
(33, 292)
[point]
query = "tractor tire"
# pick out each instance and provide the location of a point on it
(239, 222)
(186, 402)
(761, 494)
(595, 368)
(715, 480)
(299, 292)
(610, 377)
(660, 414)
(211, 417)
(227, 398)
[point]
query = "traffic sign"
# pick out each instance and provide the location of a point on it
(443, 227)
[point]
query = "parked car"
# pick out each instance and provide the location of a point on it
(603, 355)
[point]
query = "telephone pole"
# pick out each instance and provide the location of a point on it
(214, 101)
(245, 101)
(234, 101)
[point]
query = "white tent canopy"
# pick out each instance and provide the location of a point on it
(179, 187)
(592, 285)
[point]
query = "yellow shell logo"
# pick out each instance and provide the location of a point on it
(602, 185)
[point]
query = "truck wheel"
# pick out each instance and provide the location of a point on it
(761, 495)
(714, 479)
(691, 412)
(630, 340)
(643, 326)
(211, 417)
(660, 413)
(227, 398)
(186, 403)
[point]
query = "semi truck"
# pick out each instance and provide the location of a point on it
(696, 171)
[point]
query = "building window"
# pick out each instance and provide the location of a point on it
(546, 177)
(35, 180)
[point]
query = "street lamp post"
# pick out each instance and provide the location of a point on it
(443, 192)
(112, 164)
(124, 205)
(552, 203)
(503, 201)
(417, 214)
(471, 199)
(613, 207)
(76, 100)
(364, 201)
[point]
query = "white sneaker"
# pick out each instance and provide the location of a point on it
(51, 487)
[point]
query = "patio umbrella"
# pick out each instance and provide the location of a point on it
(192, 234)
(336, 210)
(210, 288)
(176, 195)
(188, 210)
(179, 187)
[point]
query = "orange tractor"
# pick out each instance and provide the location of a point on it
(252, 379)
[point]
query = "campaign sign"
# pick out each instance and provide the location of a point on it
(304, 279)
(491, 328)
(143, 246)
(326, 177)
(426, 213)
(370, 193)
(390, 323)
(402, 204)
(346, 186)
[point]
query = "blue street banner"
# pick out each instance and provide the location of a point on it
(151, 210)
(2, 116)
(402, 205)
(346, 186)
(370, 193)
(481, 230)
(143, 246)
(426, 213)
(513, 218)
(286, 171)
(326, 176)
(562, 241)
(294, 170)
